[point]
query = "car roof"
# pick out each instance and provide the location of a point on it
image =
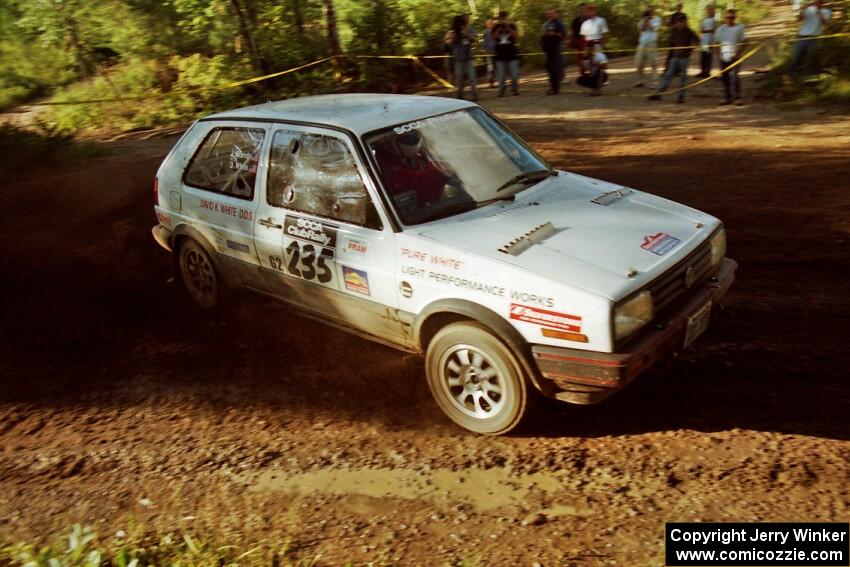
(359, 113)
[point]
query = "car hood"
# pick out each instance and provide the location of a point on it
(611, 247)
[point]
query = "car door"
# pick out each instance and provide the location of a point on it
(322, 243)
(219, 188)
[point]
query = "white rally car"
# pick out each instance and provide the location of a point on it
(425, 224)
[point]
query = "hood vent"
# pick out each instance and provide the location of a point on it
(606, 199)
(534, 236)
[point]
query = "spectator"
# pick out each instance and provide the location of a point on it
(593, 31)
(647, 48)
(674, 17)
(576, 40)
(552, 41)
(448, 64)
(671, 22)
(814, 17)
(507, 58)
(682, 40)
(732, 39)
(489, 49)
(707, 27)
(463, 37)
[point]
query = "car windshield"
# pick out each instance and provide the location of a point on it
(451, 163)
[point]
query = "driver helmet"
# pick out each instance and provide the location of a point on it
(409, 144)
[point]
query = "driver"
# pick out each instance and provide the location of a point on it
(407, 167)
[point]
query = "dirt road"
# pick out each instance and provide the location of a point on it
(117, 402)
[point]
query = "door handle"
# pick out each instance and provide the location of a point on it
(269, 223)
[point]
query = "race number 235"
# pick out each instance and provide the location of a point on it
(305, 261)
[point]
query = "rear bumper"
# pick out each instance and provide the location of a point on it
(583, 377)
(162, 236)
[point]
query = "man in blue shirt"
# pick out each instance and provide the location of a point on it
(552, 42)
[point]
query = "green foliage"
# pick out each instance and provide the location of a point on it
(83, 548)
(828, 77)
(171, 60)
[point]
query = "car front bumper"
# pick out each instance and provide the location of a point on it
(584, 377)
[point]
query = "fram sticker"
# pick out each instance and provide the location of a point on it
(354, 247)
(309, 230)
(546, 318)
(660, 243)
(355, 280)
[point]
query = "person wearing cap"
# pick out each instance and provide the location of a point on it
(682, 41)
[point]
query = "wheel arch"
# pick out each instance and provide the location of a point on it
(447, 311)
(183, 231)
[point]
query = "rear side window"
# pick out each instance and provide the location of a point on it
(226, 162)
(317, 174)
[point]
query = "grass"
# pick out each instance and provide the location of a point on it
(83, 547)
(828, 82)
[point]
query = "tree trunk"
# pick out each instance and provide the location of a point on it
(298, 13)
(245, 32)
(333, 37)
(330, 22)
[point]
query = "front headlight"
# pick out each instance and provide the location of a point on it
(718, 247)
(633, 314)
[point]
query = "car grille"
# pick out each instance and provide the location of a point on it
(685, 275)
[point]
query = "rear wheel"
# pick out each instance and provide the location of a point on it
(198, 275)
(475, 379)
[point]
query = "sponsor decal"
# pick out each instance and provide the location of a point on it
(225, 209)
(309, 230)
(354, 247)
(406, 290)
(660, 243)
(426, 122)
(526, 297)
(356, 280)
(546, 318)
(238, 246)
(437, 261)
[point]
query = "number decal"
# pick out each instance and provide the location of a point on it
(308, 271)
(294, 253)
(325, 273)
(304, 261)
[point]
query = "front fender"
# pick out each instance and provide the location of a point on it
(443, 310)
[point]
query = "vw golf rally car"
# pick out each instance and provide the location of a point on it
(425, 224)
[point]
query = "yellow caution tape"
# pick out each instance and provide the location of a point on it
(417, 59)
(716, 74)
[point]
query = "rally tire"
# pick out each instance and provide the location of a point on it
(197, 275)
(475, 379)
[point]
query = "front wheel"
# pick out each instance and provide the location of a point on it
(475, 379)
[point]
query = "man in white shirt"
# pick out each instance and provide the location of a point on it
(732, 40)
(647, 48)
(593, 31)
(814, 17)
(594, 28)
(706, 28)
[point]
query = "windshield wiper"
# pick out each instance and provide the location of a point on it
(530, 177)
